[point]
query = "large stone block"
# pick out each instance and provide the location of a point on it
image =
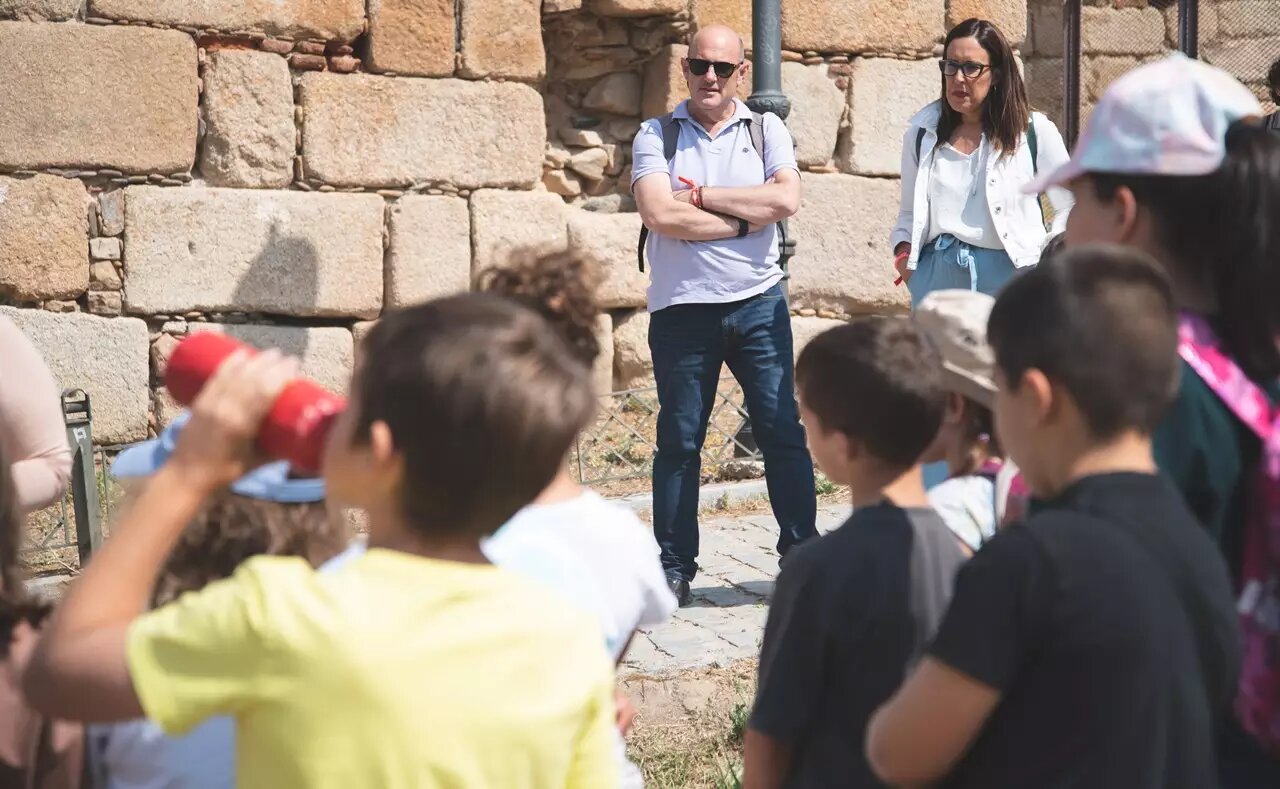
(1246, 59)
(665, 85)
(106, 357)
(609, 242)
(883, 95)
(1045, 24)
(1100, 71)
(1045, 87)
(248, 109)
(330, 19)
(862, 25)
(843, 260)
(1249, 19)
(637, 7)
(84, 96)
(816, 108)
(602, 370)
(502, 38)
(804, 329)
(412, 37)
(363, 130)
(734, 13)
(325, 353)
(245, 250)
(509, 224)
(39, 10)
(618, 94)
(1122, 31)
(632, 360)
(430, 249)
(1008, 15)
(44, 238)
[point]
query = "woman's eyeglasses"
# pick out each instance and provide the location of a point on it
(970, 69)
(698, 67)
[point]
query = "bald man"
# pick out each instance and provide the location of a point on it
(715, 295)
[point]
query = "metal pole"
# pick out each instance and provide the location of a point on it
(1189, 27)
(78, 416)
(1071, 66)
(767, 96)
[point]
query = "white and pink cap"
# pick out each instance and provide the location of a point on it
(1169, 117)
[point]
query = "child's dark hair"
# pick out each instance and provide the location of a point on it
(1052, 246)
(15, 604)
(561, 289)
(1099, 321)
(231, 529)
(877, 381)
(979, 435)
(483, 399)
(1221, 233)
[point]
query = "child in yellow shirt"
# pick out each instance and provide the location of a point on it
(418, 664)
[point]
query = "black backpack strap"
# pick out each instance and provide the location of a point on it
(1033, 145)
(669, 144)
(919, 141)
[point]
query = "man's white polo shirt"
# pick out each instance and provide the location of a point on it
(712, 272)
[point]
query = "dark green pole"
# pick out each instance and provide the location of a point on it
(767, 96)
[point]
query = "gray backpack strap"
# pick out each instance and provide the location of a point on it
(667, 124)
(755, 127)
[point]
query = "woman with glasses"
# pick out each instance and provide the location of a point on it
(964, 222)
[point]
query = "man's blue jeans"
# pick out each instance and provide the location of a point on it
(690, 344)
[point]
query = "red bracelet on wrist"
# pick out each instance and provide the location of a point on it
(697, 197)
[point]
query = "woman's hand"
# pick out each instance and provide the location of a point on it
(901, 254)
(217, 446)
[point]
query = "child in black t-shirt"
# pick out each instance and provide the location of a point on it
(853, 608)
(1095, 644)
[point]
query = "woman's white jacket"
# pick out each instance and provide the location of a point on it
(1015, 216)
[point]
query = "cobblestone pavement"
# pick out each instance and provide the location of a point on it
(725, 621)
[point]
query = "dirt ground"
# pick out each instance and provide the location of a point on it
(689, 725)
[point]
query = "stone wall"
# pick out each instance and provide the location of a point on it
(284, 170)
(1239, 36)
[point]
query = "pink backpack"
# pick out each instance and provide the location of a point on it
(1257, 703)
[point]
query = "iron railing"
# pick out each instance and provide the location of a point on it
(622, 441)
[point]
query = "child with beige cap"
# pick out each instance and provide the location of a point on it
(983, 489)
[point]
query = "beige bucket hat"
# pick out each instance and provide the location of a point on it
(955, 323)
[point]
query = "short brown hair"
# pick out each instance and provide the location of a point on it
(1098, 320)
(483, 399)
(230, 529)
(877, 381)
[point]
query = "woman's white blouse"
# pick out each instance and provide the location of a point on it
(956, 203)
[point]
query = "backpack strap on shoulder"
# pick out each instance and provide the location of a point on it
(919, 141)
(669, 129)
(1033, 145)
(755, 127)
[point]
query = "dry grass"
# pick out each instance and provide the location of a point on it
(689, 725)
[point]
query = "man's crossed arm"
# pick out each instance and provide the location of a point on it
(673, 215)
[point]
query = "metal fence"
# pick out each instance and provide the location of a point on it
(619, 446)
(61, 538)
(1242, 38)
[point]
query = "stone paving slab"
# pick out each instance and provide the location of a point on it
(725, 622)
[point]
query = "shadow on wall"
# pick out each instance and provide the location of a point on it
(282, 280)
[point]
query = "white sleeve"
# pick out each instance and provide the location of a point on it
(906, 207)
(779, 150)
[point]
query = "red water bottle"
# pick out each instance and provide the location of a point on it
(299, 420)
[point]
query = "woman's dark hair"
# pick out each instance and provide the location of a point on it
(1007, 110)
(230, 529)
(561, 289)
(1221, 234)
(1273, 82)
(15, 604)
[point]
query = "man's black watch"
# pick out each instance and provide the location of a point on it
(743, 227)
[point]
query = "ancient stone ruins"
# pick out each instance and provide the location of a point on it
(284, 170)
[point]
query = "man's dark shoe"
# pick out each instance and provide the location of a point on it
(680, 588)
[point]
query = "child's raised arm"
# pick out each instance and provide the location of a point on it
(79, 670)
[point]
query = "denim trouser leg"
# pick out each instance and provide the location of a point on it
(760, 356)
(946, 263)
(687, 343)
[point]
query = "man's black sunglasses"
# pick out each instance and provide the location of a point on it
(698, 67)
